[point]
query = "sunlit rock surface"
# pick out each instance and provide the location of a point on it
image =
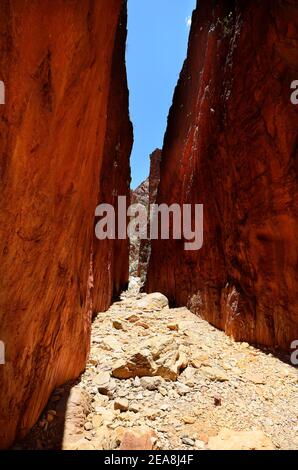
(231, 144)
(56, 64)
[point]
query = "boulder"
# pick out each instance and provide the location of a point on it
(152, 301)
(138, 439)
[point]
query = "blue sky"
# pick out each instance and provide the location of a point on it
(156, 48)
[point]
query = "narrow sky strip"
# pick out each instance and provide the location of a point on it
(156, 48)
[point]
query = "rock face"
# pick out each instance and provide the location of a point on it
(145, 194)
(141, 194)
(111, 257)
(231, 144)
(140, 198)
(145, 245)
(56, 65)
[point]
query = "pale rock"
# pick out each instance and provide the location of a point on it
(160, 344)
(256, 378)
(104, 384)
(152, 302)
(237, 371)
(111, 344)
(240, 440)
(182, 389)
(137, 382)
(140, 364)
(82, 444)
(100, 401)
(134, 283)
(121, 404)
(165, 407)
(108, 416)
(188, 419)
(97, 421)
(118, 434)
(183, 358)
(139, 396)
(200, 445)
(189, 376)
(188, 441)
(215, 374)
(197, 360)
(151, 413)
(104, 440)
(77, 408)
(88, 426)
(134, 407)
(151, 383)
(171, 364)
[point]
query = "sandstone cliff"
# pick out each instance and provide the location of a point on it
(56, 65)
(231, 144)
(111, 257)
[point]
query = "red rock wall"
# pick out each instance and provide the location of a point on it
(111, 258)
(231, 144)
(56, 64)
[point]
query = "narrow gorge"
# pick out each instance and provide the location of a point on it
(141, 344)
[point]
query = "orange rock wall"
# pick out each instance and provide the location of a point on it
(115, 179)
(56, 64)
(231, 144)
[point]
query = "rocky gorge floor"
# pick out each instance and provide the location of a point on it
(161, 378)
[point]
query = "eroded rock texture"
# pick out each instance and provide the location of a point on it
(56, 65)
(115, 179)
(140, 199)
(231, 144)
(144, 196)
(145, 245)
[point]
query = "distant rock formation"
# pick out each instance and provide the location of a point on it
(145, 245)
(145, 195)
(139, 197)
(231, 144)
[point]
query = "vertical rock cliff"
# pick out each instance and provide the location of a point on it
(231, 144)
(56, 64)
(111, 257)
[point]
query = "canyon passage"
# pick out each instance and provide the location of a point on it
(172, 349)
